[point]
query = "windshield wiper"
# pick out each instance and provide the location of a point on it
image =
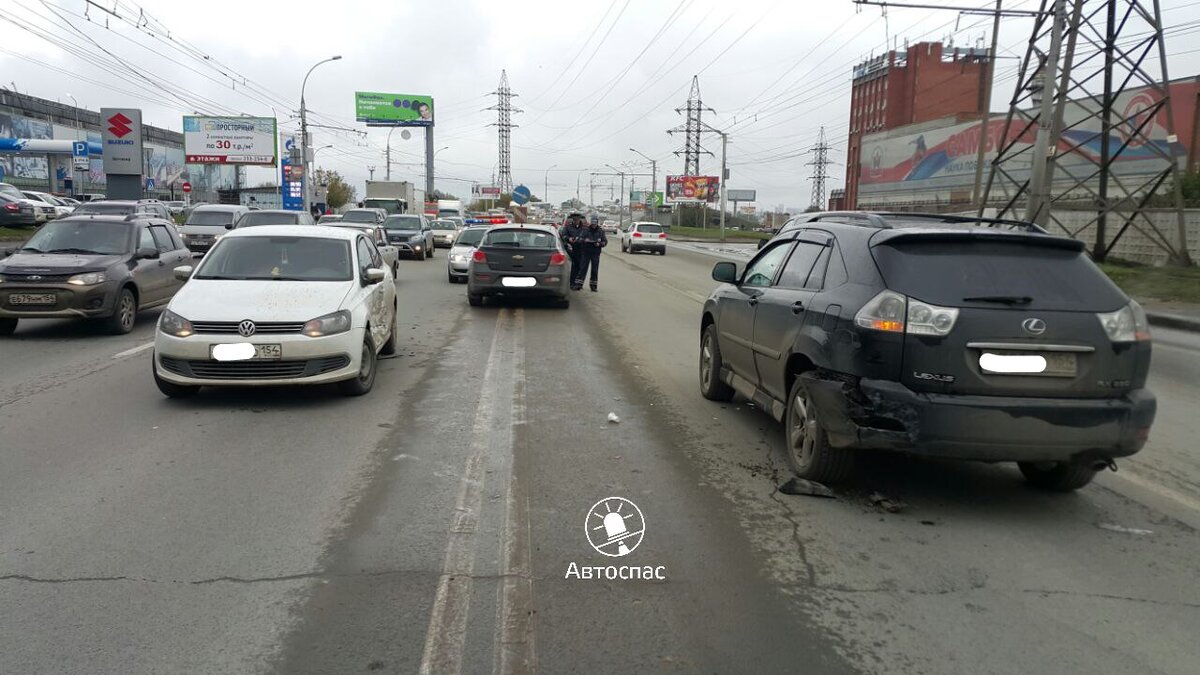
(215, 277)
(1002, 299)
(31, 248)
(74, 250)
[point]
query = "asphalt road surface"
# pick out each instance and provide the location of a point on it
(430, 525)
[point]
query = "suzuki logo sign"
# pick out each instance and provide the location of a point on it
(121, 141)
(118, 125)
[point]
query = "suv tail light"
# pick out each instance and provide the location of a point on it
(558, 259)
(479, 256)
(12, 207)
(1127, 324)
(892, 312)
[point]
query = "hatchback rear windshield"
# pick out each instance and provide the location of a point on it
(470, 237)
(361, 217)
(649, 228)
(210, 218)
(261, 218)
(278, 259)
(520, 239)
(948, 272)
(105, 208)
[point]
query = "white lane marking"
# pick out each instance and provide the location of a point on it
(135, 350)
(445, 639)
(514, 643)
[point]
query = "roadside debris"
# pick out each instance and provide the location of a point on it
(801, 486)
(1124, 530)
(613, 419)
(887, 503)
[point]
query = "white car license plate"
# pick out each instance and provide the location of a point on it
(32, 299)
(261, 353)
(1054, 364)
(519, 282)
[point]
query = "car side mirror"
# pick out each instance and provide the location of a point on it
(725, 272)
(147, 253)
(375, 275)
(229, 226)
(183, 272)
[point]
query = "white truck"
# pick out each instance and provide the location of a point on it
(391, 196)
(450, 208)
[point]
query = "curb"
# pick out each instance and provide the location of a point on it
(1176, 321)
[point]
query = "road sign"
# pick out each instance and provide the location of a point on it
(79, 155)
(149, 183)
(186, 187)
(521, 194)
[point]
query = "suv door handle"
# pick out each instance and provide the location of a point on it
(797, 307)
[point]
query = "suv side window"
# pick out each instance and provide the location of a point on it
(800, 265)
(761, 272)
(161, 238)
(145, 239)
(175, 238)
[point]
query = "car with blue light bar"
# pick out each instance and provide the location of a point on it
(934, 335)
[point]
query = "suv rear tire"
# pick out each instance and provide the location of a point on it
(1060, 477)
(8, 326)
(807, 444)
(711, 386)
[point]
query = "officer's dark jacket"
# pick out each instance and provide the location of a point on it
(570, 232)
(594, 236)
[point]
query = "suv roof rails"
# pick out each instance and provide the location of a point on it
(952, 218)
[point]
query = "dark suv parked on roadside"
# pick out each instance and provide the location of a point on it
(939, 336)
(100, 267)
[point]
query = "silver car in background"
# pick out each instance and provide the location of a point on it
(458, 260)
(444, 232)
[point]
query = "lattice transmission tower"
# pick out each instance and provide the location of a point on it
(691, 130)
(504, 125)
(820, 163)
(1092, 97)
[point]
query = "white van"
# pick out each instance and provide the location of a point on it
(206, 224)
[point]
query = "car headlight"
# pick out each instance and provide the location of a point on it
(173, 324)
(330, 324)
(88, 279)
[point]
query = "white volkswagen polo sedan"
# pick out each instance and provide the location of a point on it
(279, 304)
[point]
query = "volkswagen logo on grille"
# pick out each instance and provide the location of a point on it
(1034, 326)
(34, 277)
(246, 328)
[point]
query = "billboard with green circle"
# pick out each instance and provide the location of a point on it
(393, 110)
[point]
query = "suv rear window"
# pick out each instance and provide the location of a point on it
(210, 218)
(649, 228)
(946, 272)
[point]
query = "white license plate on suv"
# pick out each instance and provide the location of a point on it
(1051, 364)
(32, 299)
(261, 353)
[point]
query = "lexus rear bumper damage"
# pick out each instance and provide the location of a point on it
(886, 415)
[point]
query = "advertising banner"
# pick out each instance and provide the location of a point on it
(230, 140)
(684, 189)
(121, 138)
(487, 190)
(646, 198)
(393, 110)
(740, 195)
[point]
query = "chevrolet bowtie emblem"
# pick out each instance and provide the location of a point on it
(518, 257)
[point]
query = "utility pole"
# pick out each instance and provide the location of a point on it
(653, 177)
(987, 74)
(305, 142)
(505, 110)
(546, 184)
(819, 162)
(371, 170)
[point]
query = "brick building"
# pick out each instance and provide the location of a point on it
(898, 88)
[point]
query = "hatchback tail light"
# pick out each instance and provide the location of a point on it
(637, 234)
(479, 256)
(11, 207)
(558, 259)
(662, 235)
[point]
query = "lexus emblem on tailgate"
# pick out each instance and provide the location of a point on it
(1034, 326)
(246, 328)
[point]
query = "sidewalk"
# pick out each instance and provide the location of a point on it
(1177, 315)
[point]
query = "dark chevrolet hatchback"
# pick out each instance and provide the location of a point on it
(934, 335)
(95, 267)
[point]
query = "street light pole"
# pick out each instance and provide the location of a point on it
(428, 176)
(304, 160)
(78, 131)
(546, 184)
(653, 175)
(621, 202)
(388, 157)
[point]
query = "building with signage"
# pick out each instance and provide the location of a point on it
(36, 139)
(930, 166)
(922, 83)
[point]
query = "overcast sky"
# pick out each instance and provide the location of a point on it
(594, 78)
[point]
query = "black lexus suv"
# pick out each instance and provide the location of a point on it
(935, 335)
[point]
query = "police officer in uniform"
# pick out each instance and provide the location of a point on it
(592, 241)
(570, 235)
